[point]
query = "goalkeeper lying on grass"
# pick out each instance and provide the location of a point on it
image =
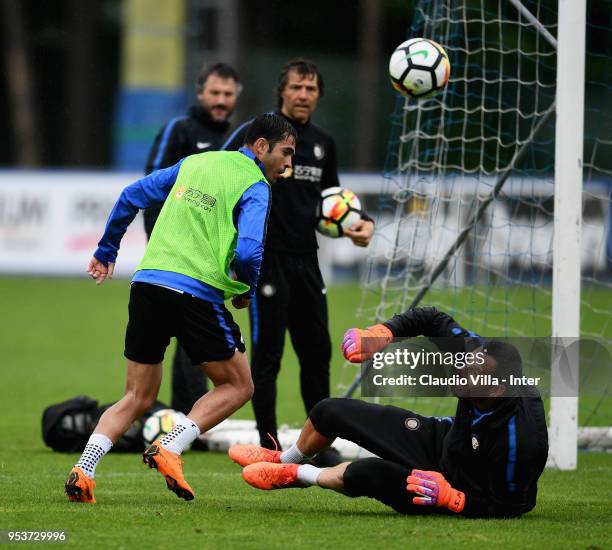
(483, 462)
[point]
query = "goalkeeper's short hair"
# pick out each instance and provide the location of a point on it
(507, 357)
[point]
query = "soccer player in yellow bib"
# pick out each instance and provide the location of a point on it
(213, 222)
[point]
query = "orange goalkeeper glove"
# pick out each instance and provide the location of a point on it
(359, 345)
(434, 490)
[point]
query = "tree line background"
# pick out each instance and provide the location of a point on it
(60, 74)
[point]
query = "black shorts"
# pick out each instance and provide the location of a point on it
(206, 331)
(401, 438)
(399, 435)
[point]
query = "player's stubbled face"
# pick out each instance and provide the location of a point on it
(219, 96)
(278, 159)
(300, 96)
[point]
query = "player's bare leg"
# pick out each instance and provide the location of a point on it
(310, 441)
(141, 389)
(233, 388)
(333, 478)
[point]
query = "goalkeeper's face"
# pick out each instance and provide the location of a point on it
(480, 377)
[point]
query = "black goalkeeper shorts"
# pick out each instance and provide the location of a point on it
(206, 331)
(399, 435)
(401, 438)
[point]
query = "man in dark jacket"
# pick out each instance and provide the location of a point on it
(204, 128)
(291, 294)
(483, 462)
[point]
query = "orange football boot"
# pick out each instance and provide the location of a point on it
(250, 454)
(171, 467)
(268, 476)
(80, 487)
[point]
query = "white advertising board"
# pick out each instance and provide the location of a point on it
(50, 222)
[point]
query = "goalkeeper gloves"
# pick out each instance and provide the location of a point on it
(359, 345)
(434, 490)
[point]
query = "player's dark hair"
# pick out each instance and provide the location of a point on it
(222, 70)
(304, 67)
(507, 357)
(270, 126)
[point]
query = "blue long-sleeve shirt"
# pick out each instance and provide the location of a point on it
(250, 218)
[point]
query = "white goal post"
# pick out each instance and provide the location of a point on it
(569, 133)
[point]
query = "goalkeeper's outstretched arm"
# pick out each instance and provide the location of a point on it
(359, 345)
(424, 321)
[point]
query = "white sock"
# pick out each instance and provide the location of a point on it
(292, 455)
(97, 446)
(181, 436)
(308, 474)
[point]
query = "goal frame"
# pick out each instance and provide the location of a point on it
(569, 146)
(568, 105)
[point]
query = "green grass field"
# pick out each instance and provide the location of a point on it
(60, 338)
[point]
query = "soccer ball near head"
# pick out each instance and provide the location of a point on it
(159, 424)
(338, 210)
(419, 68)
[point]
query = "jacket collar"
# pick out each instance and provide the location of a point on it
(248, 153)
(297, 125)
(203, 116)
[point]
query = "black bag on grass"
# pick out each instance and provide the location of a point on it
(67, 426)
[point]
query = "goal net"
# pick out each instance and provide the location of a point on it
(465, 218)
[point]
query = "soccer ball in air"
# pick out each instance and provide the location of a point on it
(419, 68)
(159, 424)
(338, 210)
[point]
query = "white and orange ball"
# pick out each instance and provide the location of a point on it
(339, 209)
